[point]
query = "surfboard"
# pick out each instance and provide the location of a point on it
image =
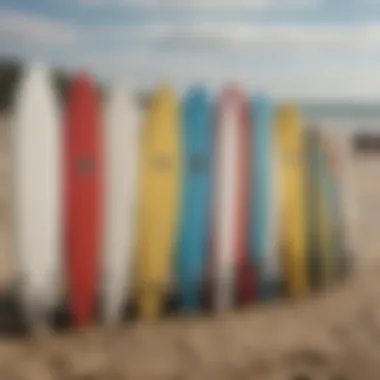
(159, 202)
(232, 267)
(36, 151)
(84, 198)
(292, 182)
(8, 268)
(342, 167)
(339, 254)
(121, 149)
(314, 240)
(325, 202)
(197, 143)
(265, 205)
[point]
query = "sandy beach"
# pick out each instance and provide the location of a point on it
(330, 336)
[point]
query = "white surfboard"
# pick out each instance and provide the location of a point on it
(121, 137)
(226, 187)
(340, 143)
(36, 172)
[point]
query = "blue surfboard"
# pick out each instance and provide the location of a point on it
(197, 137)
(263, 248)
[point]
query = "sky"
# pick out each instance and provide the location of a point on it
(308, 49)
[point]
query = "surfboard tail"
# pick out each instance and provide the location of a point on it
(224, 293)
(190, 297)
(269, 289)
(35, 311)
(113, 306)
(84, 312)
(150, 304)
(297, 284)
(246, 284)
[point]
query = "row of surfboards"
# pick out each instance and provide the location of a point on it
(229, 197)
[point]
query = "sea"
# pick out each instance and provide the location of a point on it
(343, 115)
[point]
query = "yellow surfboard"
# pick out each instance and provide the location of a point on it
(159, 201)
(290, 143)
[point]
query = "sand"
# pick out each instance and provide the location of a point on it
(330, 336)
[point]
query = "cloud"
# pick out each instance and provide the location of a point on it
(286, 60)
(204, 4)
(243, 37)
(249, 36)
(23, 27)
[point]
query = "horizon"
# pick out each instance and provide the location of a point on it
(302, 101)
(350, 111)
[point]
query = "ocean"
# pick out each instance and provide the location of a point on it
(358, 111)
(349, 116)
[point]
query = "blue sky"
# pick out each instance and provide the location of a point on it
(315, 49)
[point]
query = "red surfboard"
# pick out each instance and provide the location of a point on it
(246, 284)
(83, 182)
